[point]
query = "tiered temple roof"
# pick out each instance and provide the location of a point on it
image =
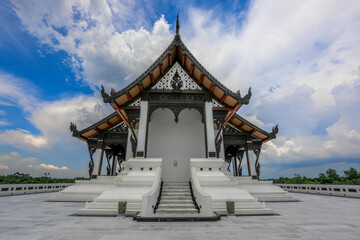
(175, 52)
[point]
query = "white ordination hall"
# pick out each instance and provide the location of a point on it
(174, 148)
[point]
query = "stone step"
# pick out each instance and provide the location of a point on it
(176, 194)
(175, 184)
(176, 201)
(176, 188)
(180, 197)
(176, 206)
(176, 211)
(175, 191)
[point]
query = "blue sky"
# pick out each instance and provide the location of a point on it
(301, 59)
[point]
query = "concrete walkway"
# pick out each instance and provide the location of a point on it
(316, 217)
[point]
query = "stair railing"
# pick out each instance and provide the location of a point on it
(193, 197)
(159, 197)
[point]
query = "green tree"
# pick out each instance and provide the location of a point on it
(351, 174)
(332, 176)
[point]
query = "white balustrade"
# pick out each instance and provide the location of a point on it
(331, 190)
(149, 199)
(202, 198)
(19, 189)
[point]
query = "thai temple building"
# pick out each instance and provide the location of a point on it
(174, 147)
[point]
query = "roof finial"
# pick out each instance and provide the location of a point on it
(177, 24)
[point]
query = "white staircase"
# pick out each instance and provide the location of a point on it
(176, 199)
(222, 188)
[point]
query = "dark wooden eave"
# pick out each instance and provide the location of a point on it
(100, 126)
(244, 125)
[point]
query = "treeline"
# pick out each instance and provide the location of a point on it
(20, 178)
(351, 176)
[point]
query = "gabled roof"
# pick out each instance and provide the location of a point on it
(176, 51)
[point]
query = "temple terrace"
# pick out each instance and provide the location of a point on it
(174, 149)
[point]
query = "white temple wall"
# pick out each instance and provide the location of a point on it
(178, 142)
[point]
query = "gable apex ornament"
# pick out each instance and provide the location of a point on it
(177, 34)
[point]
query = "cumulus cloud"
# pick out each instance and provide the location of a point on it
(48, 167)
(22, 139)
(52, 119)
(14, 162)
(101, 50)
(102, 47)
(302, 61)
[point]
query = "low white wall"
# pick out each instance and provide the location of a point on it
(331, 190)
(18, 189)
(202, 199)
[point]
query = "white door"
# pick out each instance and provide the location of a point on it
(175, 142)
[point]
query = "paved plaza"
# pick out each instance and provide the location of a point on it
(315, 217)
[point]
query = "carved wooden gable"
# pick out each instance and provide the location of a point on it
(176, 79)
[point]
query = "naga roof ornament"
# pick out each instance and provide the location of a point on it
(274, 131)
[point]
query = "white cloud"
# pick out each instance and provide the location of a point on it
(95, 34)
(16, 91)
(302, 61)
(3, 122)
(22, 139)
(48, 167)
(52, 119)
(14, 162)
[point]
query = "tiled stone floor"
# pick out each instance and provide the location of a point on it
(315, 217)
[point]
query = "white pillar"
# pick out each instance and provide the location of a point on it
(129, 153)
(140, 149)
(210, 129)
(114, 165)
(98, 159)
(222, 150)
(251, 163)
